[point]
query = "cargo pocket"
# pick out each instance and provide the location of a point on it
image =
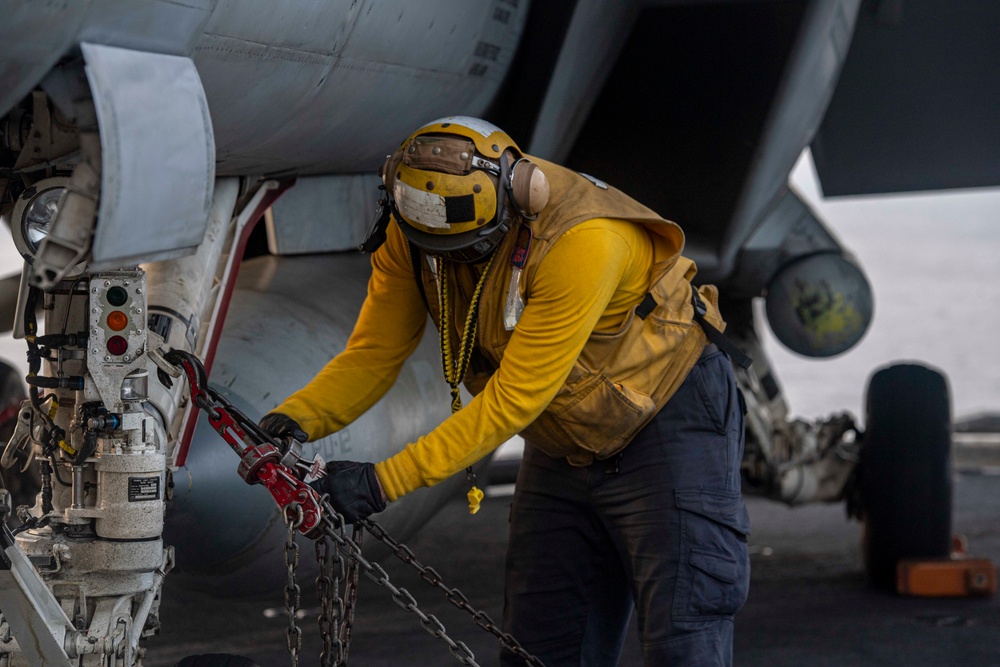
(714, 571)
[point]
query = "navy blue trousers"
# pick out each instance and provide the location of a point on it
(660, 529)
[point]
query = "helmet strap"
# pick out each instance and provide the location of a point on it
(504, 188)
(376, 237)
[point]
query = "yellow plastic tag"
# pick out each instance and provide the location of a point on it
(66, 448)
(475, 498)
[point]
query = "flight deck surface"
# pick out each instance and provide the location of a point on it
(809, 603)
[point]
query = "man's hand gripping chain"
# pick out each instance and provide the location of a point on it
(285, 476)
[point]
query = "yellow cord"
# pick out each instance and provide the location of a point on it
(454, 372)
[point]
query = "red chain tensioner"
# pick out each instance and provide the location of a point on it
(261, 459)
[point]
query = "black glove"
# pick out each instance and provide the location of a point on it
(283, 428)
(353, 489)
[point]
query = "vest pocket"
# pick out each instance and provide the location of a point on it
(601, 415)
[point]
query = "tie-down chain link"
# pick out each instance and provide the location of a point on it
(453, 595)
(336, 612)
(351, 550)
(292, 590)
(336, 643)
(331, 605)
(350, 592)
(332, 529)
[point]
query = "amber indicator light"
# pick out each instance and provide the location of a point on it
(117, 320)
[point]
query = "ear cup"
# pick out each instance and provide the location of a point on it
(529, 187)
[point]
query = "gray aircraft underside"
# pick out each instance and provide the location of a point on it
(698, 109)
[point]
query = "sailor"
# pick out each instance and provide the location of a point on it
(567, 310)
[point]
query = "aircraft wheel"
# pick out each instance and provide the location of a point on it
(905, 469)
(216, 660)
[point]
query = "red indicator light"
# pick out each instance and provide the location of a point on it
(117, 320)
(117, 345)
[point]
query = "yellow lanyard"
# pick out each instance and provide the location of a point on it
(455, 369)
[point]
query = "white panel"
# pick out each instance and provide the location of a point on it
(323, 214)
(158, 155)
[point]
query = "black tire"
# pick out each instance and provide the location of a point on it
(216, 660)
(905, 469)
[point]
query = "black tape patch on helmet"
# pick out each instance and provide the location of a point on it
(461, 208)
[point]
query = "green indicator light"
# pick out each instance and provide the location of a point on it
(117, 296)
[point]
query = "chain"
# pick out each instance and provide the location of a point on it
(400, 596)
(326, 581)
(292, 590)
(332, 609)
(350, 592)
(453, 595)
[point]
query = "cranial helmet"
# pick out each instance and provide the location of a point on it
(451, 182)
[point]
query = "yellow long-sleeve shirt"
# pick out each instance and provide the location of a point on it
(588, 281)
